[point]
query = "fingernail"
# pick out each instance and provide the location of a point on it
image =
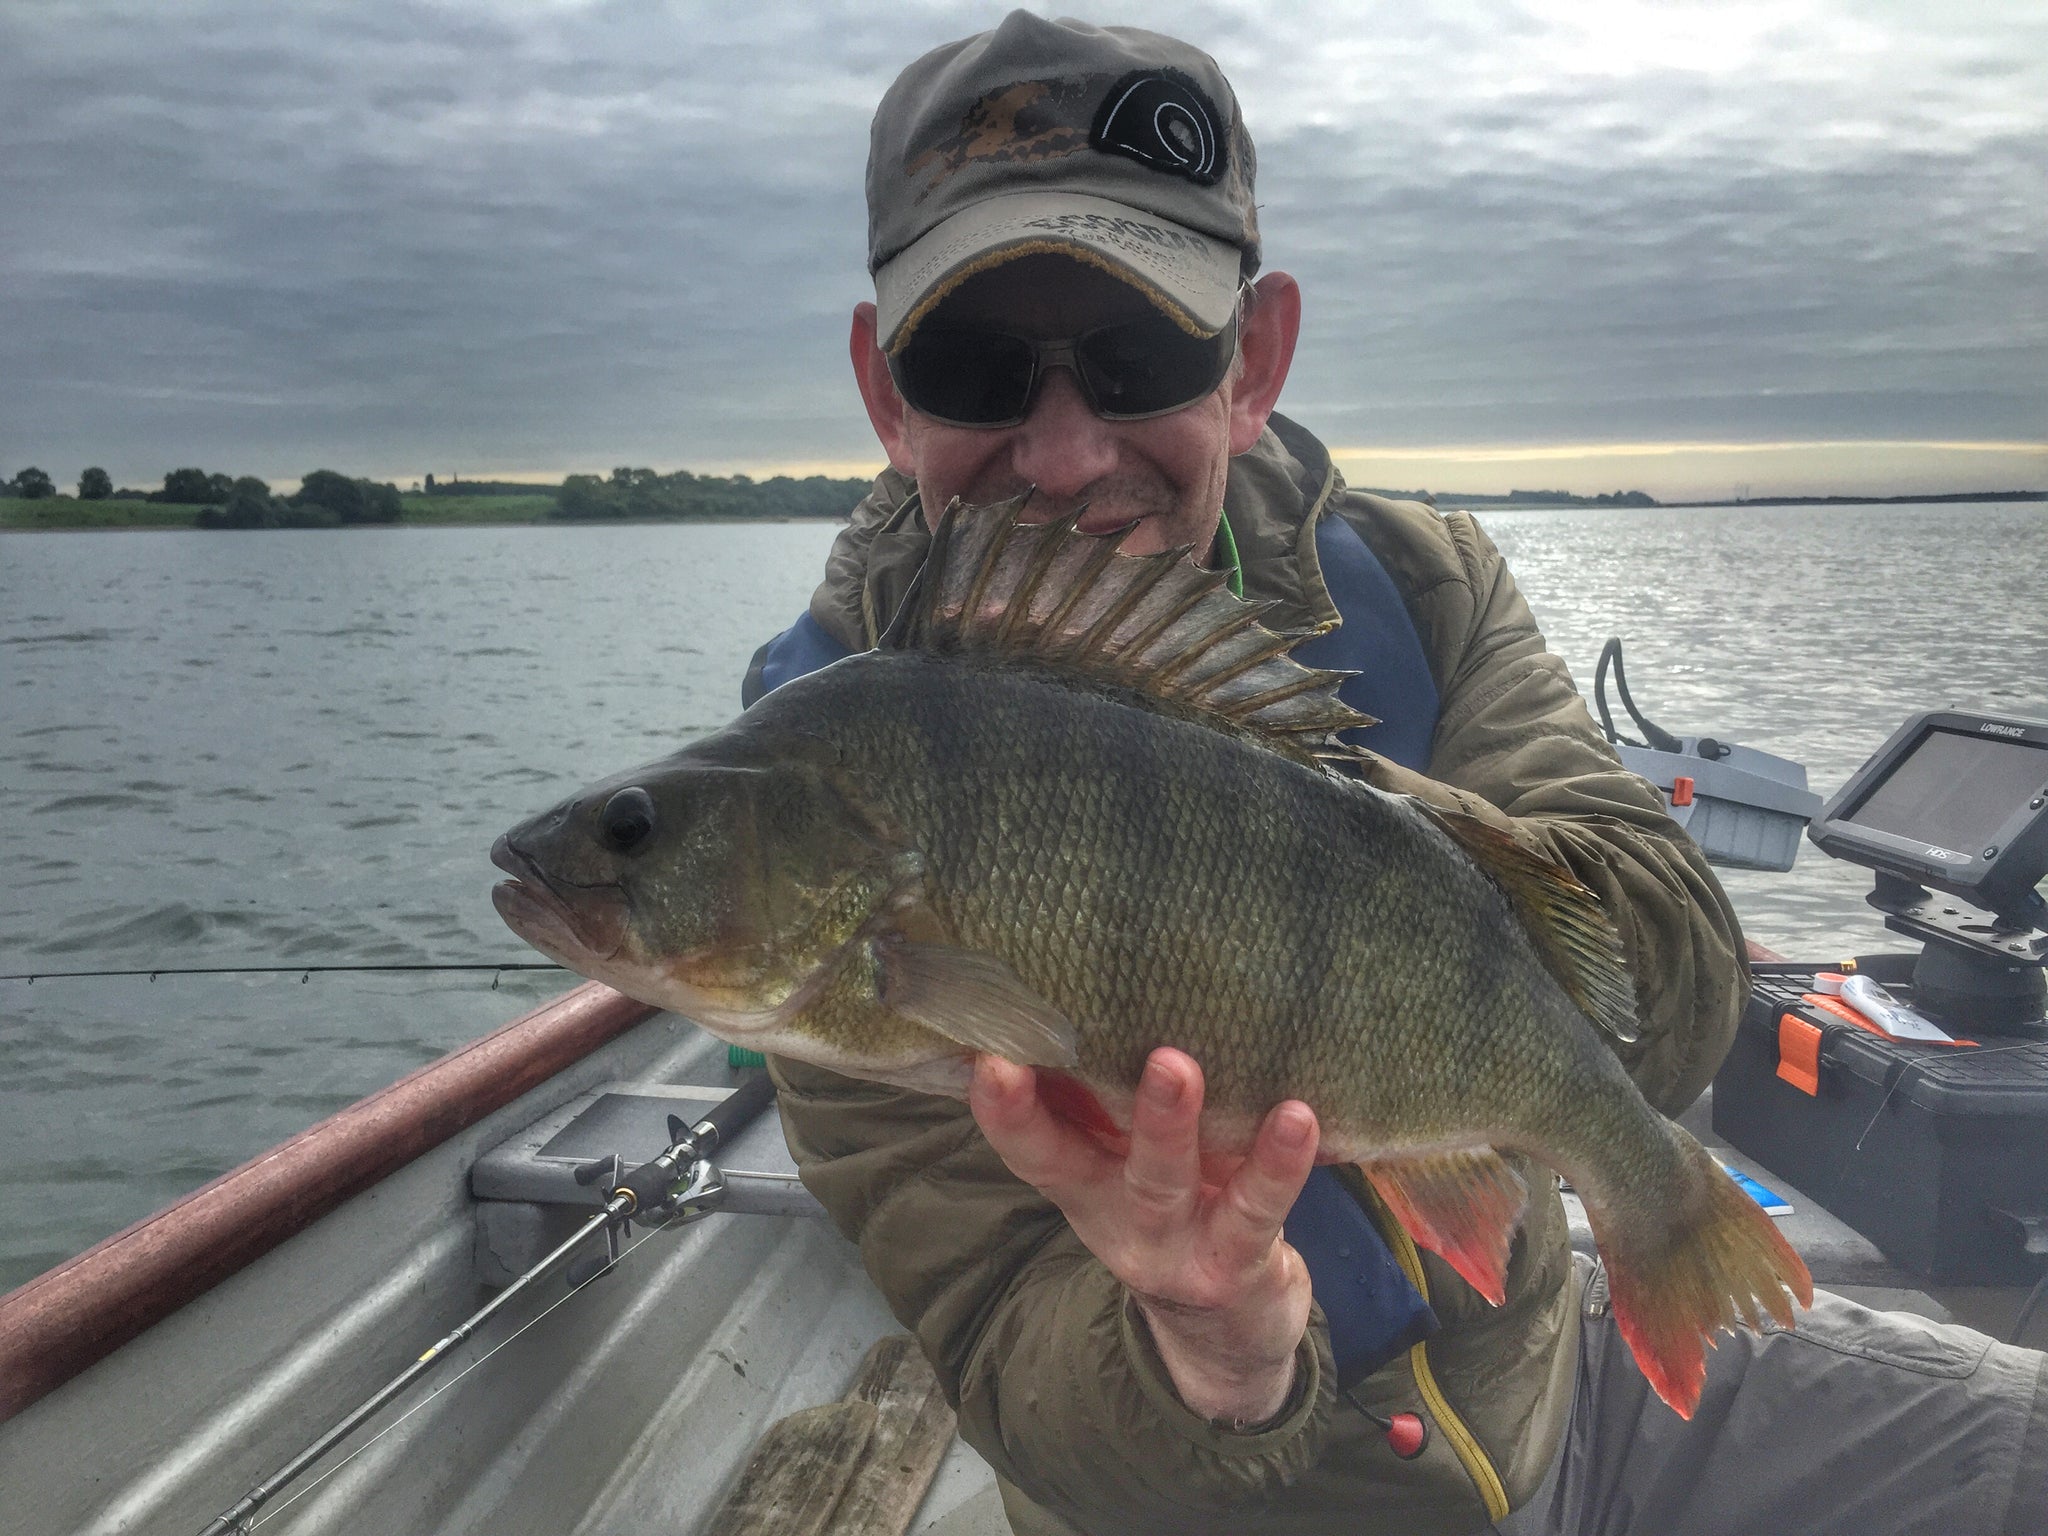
(1293, 1129)
(1163, 1088)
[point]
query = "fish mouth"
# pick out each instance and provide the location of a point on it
(576, 924)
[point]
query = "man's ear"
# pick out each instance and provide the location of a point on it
(1265, 346)
(878, 389)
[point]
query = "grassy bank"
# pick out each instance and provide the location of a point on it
(59, 512)
(54, 513)
(468, 511)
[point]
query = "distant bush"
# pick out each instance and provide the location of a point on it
(194, 488)
(33, 484)
(642, 493)
(351, 501)
(380, 502)
(249, 505)
(336, 492)
(95, 485)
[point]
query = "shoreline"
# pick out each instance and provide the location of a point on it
(426, 525)
(160, 518)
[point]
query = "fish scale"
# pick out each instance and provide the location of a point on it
(1142, 943)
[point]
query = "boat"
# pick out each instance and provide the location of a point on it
(195, 1352)
(151, 1381)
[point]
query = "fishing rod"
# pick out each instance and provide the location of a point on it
(301, 971)
(673, 1189)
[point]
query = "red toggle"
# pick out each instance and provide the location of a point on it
(1681, 790)
(1407, 1435)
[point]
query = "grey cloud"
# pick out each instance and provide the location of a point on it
(405, 237)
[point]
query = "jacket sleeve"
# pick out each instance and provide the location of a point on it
(1054, 1376)
(1515, 744)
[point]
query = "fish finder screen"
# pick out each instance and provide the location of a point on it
(1954, 791)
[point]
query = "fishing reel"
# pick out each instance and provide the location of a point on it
(680, 1186)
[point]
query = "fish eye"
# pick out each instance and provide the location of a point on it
(627, 819)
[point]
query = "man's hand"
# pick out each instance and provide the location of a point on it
(1226, 1299)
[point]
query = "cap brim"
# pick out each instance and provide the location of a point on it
(1190, 276)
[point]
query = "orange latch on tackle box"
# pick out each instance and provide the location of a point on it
(1799, 1053)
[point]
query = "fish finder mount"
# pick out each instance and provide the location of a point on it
(1952, 815)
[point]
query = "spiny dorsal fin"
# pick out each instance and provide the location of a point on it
(1569, 927)
(1156, 624)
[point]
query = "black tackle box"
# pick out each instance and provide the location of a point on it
(1937, 1153)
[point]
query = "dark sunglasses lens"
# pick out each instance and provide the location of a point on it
(1151, 366)
(973, 378)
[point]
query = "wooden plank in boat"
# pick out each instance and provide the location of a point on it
(800, 1471)
(857, 1467)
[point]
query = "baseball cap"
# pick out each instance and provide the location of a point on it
(1115, 146)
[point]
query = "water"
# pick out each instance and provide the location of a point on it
(279, 747)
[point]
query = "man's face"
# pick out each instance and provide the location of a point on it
(1165, 473)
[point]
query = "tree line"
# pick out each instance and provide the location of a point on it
(642, 493)
(324, 499)
(327, 499)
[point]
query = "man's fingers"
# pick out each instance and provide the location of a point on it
(1255, 1203)
(1163, 1174)
(1040, 1149)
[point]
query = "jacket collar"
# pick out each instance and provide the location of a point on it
(1275, 495)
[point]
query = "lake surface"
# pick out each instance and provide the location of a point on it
(297, 747)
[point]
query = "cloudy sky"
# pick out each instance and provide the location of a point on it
(1796, 245)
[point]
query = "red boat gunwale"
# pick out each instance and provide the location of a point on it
(67, 1318)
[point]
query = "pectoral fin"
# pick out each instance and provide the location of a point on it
(1464, 1206)
(974, 998)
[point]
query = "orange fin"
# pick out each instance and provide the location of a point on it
(1464, 1206)
(1719, 1263)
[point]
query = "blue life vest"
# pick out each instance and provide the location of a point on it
(1374, 1312)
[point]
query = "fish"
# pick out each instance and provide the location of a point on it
(1078, 805)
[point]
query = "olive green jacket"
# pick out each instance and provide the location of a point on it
(1054, 1375)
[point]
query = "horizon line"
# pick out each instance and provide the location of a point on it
(1483, 453)
(1495, 453)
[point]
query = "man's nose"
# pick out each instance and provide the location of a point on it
(1063, 447)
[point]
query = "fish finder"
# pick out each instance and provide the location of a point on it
(1952, 814)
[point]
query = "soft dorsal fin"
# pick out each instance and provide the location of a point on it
(1156, 624)
(1569, 927)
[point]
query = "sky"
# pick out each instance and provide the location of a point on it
(1790, 247)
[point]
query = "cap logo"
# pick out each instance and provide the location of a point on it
(1022, 122)
(1161, 118)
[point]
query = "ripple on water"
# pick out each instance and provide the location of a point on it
(119, 928)
(101, 802)
(65, 637)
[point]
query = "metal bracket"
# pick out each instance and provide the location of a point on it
(697, 1195)
(2031, 1227)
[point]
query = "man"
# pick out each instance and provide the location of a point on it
(1065, 251)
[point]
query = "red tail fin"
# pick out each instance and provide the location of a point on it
(1675, 1282)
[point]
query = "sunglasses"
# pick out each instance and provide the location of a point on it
(972, 376)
